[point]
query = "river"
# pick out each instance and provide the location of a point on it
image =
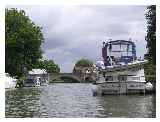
(75, 100)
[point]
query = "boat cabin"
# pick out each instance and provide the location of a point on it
(36, 77)
(118, 52)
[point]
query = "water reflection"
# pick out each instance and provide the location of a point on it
(128, 106)
(22, 102)
(75, 100)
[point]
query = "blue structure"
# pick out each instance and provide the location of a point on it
(118, 51)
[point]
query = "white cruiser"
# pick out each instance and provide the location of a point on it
(120, 72)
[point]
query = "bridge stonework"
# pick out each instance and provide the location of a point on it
(70, 75)
(80, 74)
(86, 74)
(52, 77)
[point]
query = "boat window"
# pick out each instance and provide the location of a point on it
(122, 77)
(135, 78)
(104, 74)
(29, 81)
(109, 78)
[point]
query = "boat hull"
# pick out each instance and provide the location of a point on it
(121, 88)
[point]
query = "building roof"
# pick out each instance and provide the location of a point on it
(37, 71)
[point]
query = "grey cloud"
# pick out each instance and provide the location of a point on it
(73, 32)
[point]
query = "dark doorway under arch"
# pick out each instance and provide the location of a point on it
(87, 79)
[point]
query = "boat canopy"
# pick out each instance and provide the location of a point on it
(118, 51)
(37, 71)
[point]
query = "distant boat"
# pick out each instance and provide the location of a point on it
(29, 82)
(36, 77)
(10, 82)
(33, 82)
(38, 81)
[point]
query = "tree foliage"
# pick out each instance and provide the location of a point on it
(150, 67)
(150, 72)
(49, 65)
(84, 63)
(23, 42)
(151, 33)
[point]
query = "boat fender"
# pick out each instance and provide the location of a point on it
(149, 86)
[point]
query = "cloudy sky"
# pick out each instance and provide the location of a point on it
(74, 32)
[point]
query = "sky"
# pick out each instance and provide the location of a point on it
(75, 32)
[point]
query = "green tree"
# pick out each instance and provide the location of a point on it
(150, 67)
(151, 33)
(84, 63)
(23, 42)
(49, 65)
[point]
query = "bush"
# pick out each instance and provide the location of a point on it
(84, 63)
(150, 72)
(20, 82)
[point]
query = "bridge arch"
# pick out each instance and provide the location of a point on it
(69, 76)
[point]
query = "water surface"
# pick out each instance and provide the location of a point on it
(75, 100)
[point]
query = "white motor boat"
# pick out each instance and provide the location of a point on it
(123, 72)
(10, 82)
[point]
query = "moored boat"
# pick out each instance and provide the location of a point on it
(123, 72)
(10, 82)
(36, 77)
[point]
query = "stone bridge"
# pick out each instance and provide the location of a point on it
(69, 76)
